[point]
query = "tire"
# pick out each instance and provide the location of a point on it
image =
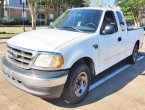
(133, 58)
(77, 85)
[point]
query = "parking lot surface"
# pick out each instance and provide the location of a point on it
(125, 91)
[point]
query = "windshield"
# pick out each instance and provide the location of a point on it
(80, 20)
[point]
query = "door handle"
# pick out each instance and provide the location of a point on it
(95, 46)
(119, 39)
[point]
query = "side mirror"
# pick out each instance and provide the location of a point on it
(108, 29)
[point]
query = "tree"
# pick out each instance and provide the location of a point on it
(86, 2)
(59, 6)
(133, 9)
(77, 3)
(66, 4)
(56, 6)
(1, 2)
(46, 12)
(99, 3)
(33, 6)
(47, 4)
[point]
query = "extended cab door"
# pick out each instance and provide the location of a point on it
(122, 33)
(109, 43)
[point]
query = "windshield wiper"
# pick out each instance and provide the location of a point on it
(68, 28)
(77, 29)
(53, 26)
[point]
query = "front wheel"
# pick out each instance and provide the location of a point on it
(77, 85)
(133, 58)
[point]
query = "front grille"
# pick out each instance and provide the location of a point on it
(19, 57)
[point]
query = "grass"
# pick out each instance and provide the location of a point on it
(6, 35)
(12, 31)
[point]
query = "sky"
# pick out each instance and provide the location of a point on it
(105, 2)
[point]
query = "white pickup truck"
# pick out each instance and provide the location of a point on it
(62, 61)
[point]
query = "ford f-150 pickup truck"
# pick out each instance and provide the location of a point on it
(62, 61)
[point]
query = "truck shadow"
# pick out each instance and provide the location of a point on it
(109, 87)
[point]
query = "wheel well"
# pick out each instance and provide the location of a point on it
(89, 62)
(137, 43)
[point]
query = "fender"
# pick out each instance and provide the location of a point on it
(80, 48)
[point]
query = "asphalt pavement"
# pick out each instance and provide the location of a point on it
(124, 91)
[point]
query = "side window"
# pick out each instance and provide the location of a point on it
(121, 21)
(109, 19)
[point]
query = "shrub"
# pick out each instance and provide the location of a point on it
(8, 21)
(13, 21)
(1, 19)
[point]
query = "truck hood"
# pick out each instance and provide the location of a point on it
(43, 39)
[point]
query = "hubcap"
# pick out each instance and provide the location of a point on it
(81, 84)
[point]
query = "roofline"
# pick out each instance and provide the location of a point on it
(97, 8)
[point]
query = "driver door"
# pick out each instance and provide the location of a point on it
(109, 43)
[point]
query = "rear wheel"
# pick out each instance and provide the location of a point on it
(133, 58)
(77, 85)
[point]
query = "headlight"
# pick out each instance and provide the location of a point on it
(49, 61)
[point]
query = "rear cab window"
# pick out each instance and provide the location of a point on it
(121, 20)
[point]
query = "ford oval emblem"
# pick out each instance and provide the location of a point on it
(14, 56)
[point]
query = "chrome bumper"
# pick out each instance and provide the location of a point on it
(35, 82)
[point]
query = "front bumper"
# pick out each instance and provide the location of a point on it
(40, 83)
